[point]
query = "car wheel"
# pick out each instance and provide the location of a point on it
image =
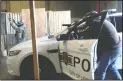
(46, 69)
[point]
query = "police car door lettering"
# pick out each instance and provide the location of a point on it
(76, 60)
(77, 75)
(88, 62)
(73, 60)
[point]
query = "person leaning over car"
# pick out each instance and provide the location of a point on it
(109, 48)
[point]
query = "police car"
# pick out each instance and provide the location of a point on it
(74, 57)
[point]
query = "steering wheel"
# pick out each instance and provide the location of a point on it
(73, 35)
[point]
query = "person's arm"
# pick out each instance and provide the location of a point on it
(13, 24)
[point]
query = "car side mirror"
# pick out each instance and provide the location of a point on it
(62, 37)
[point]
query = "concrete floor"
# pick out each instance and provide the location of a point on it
(3, 69)
(4, 75)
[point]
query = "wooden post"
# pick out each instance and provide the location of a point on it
(33, 32)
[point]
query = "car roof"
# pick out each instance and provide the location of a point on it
(115, 14)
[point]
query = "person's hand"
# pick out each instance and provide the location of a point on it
(13, 20)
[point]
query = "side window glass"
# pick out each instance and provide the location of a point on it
(89, 32)
(117, 22)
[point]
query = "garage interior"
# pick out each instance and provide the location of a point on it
(41, 18)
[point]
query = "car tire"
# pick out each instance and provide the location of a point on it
(46, 68)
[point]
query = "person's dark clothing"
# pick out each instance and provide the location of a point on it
(108, 38)
(108, 50)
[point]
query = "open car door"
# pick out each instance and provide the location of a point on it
(77, 58)
(77, 55)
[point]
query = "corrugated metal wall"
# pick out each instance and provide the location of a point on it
(56, 19)
(16, 16)
(8, 33)
(46, 22)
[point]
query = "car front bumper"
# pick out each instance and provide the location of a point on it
(12, 65)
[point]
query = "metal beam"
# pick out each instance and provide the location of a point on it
(119, 5)
(0, 33)
(98, 6)
(33, 32)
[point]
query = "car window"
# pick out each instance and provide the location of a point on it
(89, 32)
(93, 32)
(117, 22)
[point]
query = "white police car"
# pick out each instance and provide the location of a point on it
(71, 56)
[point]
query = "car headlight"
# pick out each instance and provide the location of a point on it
(15, 52)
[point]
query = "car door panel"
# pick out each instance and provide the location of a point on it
(77, 59)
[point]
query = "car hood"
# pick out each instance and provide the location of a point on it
(28, 44)
(39, 42)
